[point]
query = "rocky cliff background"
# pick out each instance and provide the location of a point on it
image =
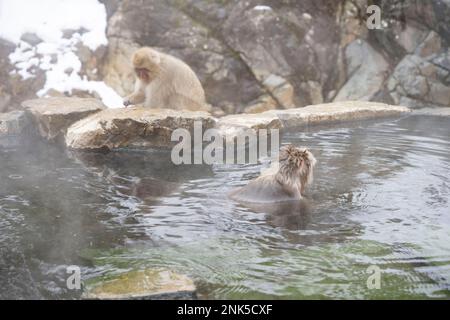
(257, 55)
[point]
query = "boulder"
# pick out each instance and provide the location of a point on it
(31, 38)
(145, 284)
(418, 82)
(410, 37)
(132, 128)
(14, 126)
(439, 93)
(280, 93)
(14, 123)
(431, 45)
(366, 69)
(52, 116)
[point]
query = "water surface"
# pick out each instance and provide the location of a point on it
(380, 197)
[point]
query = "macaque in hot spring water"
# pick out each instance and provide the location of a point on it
(164, 81)
(278, 190)
(285, 183)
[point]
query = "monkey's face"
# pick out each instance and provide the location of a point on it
(299, 160)
(143, 74)
(146, 63)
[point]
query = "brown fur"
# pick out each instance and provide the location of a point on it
(294, 173)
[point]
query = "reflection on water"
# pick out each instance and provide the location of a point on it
(381, 196)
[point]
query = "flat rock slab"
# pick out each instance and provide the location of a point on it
(141, 284)
(336, 112)
(52, 116)
(439, 112)
(133, 128)
(233, 125)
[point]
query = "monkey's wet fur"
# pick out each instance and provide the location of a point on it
(284, 181)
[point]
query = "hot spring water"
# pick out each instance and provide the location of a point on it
(380, 197)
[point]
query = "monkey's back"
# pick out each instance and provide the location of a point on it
(177, 86)
(264, 189)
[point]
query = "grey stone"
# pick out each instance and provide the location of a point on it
(336, 112)
(132, 128)
(411, 37)
(431, 45)
(147, 284)
(440, 93)
(14, 123)
(52, 116)
(31, 38)
(367, 70)
(441, 112)
(233, 125)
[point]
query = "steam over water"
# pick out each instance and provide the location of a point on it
(380, 197)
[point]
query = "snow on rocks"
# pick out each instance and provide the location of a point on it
(44, 44)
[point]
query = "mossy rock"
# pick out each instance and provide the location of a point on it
(141, 284)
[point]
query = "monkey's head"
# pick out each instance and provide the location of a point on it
(296, 163)
(146, 63)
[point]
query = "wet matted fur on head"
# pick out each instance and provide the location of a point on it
(295, 167)
(285, 180)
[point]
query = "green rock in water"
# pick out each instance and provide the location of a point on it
(141, 284)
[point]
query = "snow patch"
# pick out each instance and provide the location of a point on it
(55, 55)
(49, 18)
(262, 8)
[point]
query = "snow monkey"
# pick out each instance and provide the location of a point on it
(164, 81)
(284, 182)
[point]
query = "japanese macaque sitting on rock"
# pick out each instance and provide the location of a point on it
(284, 181)
(164, 81)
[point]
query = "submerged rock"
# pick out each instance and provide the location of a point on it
(133, 128)
(53, 116)
(141, 284)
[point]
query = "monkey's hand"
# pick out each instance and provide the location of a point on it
(126, 102)
(134, 98)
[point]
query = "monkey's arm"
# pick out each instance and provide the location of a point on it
(138, 96)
